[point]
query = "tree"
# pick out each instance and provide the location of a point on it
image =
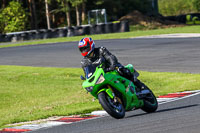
(4, 3)
(1, 23)
(65, 7)
(33, 14)
(196, 4)
(13, 18)
(76, 4)
(47, 14)
(83, 14)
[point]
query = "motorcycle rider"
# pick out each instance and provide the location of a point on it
(95, 56)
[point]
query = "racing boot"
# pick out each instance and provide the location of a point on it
(131, 76)
(139, 85)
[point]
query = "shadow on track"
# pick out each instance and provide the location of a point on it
(177, 108)
(165, 110)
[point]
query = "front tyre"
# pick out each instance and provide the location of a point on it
(150, 102)
(113, 108)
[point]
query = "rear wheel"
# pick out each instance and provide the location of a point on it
(111, 106)
(150, 102)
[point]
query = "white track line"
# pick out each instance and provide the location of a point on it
(101, 113)
(175, 99)
(178, 35)
(160, 101)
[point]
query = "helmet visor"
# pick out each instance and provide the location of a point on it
(84, 49)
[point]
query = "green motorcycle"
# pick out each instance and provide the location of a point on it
(117, 94)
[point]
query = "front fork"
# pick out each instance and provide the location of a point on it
(111, 94)
(108, 91)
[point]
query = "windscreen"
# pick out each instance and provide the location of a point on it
(89, 70)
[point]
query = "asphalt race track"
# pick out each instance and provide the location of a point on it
(173, 55)
(181, 116)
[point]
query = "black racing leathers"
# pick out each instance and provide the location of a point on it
(110, 62)
(101, 56)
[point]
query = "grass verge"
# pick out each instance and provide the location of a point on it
(30, 93)
(185, 29)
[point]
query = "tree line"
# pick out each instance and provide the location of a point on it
(19, 15)
(178, 7)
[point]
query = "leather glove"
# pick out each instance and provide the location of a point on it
(108, 69)
(120, 70)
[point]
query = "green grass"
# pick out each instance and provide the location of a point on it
(30, 93)
(185, 29)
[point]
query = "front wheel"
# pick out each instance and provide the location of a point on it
(112, 107)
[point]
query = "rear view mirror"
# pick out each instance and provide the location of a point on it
(82, 78)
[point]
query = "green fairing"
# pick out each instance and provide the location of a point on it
(123, 86)
(115, 81)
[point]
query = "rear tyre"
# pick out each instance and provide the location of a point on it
(150, 102)
(113, 108)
